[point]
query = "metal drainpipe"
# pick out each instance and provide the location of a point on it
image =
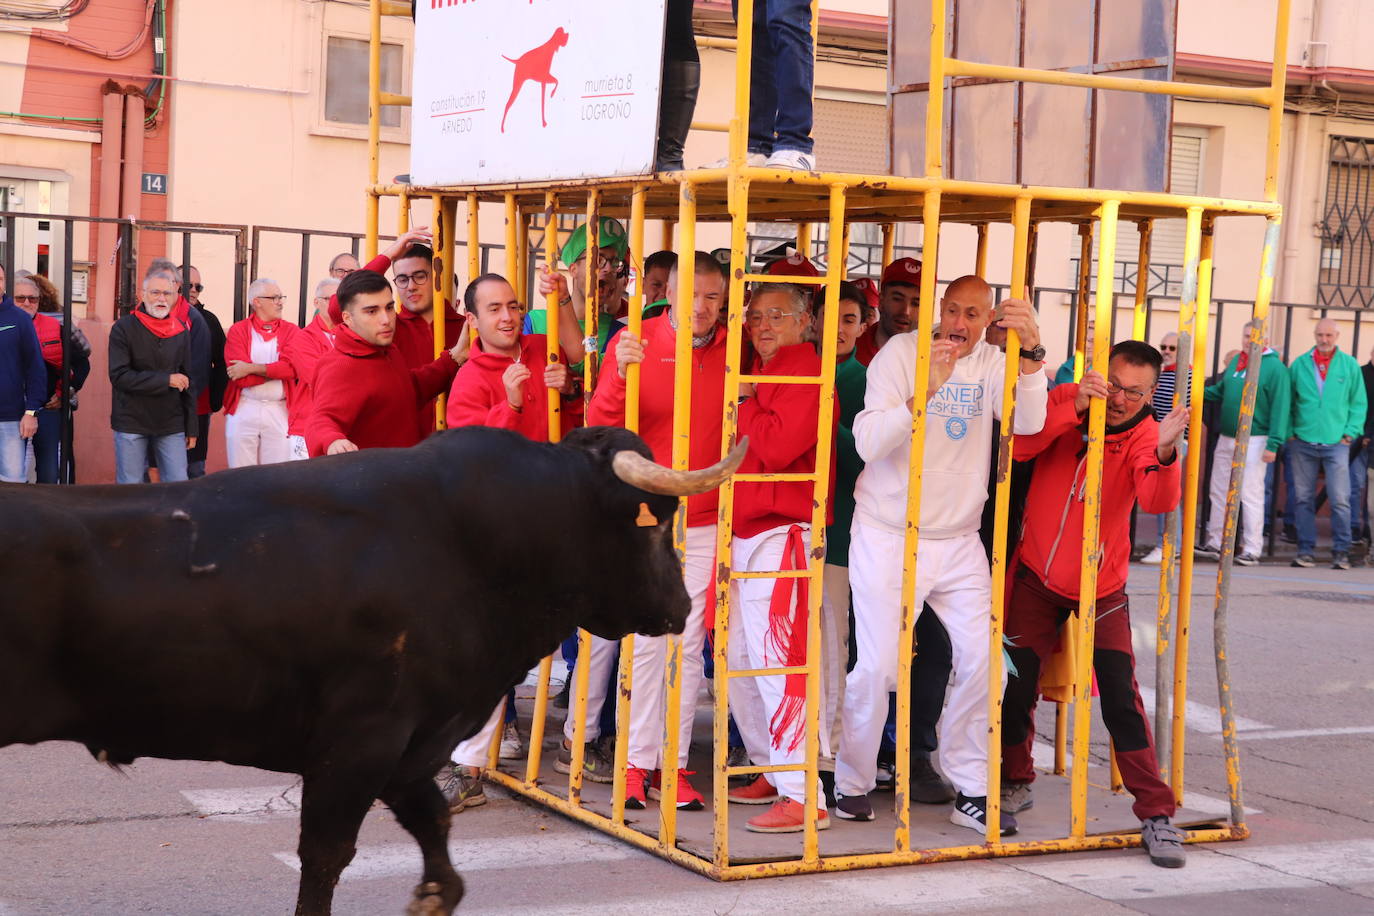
(107, 234)
(132, 198)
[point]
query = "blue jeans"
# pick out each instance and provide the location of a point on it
(13, 463)
(47, 444)
(1290, 504)
(1358, 516)
(131, 456)
(781, 77)
(1308, 459)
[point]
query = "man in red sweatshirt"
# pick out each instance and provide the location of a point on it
(304, 351)
(366, 396)
(656, 353)
(772, 531)
(1139, 464)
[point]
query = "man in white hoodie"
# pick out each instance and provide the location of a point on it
(965, 395)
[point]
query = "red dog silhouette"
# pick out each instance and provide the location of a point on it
(534, 65)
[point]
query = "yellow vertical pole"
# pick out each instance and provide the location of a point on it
(551, 306)
(522, 271)
(804, 240)
(744, 55)
(889, 245)
(627, 645)
(930, 217)
(1092, 544)
(474, 241)
(444, 220)
(1142, 279)
(513, 243)
(734, 339)
(1085, 263)
(1277, 80)
(374, 123)
(593, 316)
(1061, 738)
(1116, 784)
(403, 214)
(682, 431)
(667, 239)
(935, 103)
(980, 261)
(1197, 286)
(1020, 258)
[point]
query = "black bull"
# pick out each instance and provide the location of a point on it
(349, 619)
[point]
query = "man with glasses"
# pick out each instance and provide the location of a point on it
(1163, 402)
(23, 387)
(342, 265)
(211, 398)
(262, 381)
(153, 407)
(1139, 464)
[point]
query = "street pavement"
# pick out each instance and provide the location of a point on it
(203, 838)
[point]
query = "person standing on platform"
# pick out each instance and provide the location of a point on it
(262, 381)
(23, 387)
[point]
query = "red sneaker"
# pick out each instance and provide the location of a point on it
(758, 792)
(786, 817)
(688, 798)
(636, 779)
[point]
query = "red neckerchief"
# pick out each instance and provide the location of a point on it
(785, 640)
(182, 311)
(1322, 360)
(265, 331)
(162, 327)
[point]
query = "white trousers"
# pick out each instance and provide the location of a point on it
(1251, 494)
(834, 657)
(474, 752)
(650, 688)
(755, 700)
(255, 433)
(299, 451)
(598, 683)
(953, 578)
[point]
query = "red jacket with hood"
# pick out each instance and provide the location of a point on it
(304, 353)
(366, 394)
(478, 396)
(238, 344)
(657, 395)
(1052, 540)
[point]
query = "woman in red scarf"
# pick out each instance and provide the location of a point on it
(262, 382)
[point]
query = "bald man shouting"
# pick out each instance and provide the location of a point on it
(965, 395)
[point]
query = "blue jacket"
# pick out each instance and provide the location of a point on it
(23, 376)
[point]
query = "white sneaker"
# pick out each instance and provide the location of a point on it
(1154, 557)
(756, 160)
(793, 159)
(512, 748)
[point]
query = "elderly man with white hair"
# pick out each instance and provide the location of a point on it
(262, 382)
(306, 349)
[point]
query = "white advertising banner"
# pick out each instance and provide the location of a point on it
(534, 90)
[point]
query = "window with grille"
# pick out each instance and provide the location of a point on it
(345, 81)
(1346, 275)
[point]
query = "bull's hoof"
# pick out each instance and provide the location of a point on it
(429, 901)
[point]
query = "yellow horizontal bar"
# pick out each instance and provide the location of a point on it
(765, 768)
(718, 127)
(768, 672)
(391, 98)
(775, 478)
(1257, 96)
(784, 278)
(782, 379)
(772, 574)
(396, 8)
(710, 41)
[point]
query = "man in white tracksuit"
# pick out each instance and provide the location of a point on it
(965, 394)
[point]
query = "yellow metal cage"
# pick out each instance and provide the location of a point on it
(738, 193)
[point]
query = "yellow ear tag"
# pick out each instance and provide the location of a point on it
(646, 518)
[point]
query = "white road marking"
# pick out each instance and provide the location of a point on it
(1201, 718)
(1307, 732)
(247, 802)
(1042, 755)
(469, 855)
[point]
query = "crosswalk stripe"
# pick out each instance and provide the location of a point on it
(1202, 718)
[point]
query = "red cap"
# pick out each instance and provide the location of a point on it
(870, 290)
(903, 270)
(793, 266)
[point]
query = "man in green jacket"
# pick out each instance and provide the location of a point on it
(1328, 414)
(1268, 430)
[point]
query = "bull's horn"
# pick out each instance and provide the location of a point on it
(638, 471)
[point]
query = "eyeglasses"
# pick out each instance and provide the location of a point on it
(340, 272)
(25, 298)
(271, 298)
(774, 317)
(1168, 347)
(1131, 394)
(160, 293)
(196, 286)
(415, 279)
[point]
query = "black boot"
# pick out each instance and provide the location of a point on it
(677, 103)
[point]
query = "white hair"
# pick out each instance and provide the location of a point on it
(259, 287)
(326, 287)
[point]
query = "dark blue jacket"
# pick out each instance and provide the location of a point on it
(23, 376)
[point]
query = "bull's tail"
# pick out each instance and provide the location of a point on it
(511, 59)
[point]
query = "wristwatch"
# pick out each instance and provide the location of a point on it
(30, 413)
(1037, 354)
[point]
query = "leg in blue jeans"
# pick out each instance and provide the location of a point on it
(171, 457)
(131, 457)
(12, 457)
(781, 77)
(1336, 462)
(45, 445)
(1290, 503)
(1358, 465)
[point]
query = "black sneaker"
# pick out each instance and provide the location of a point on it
(1247, 559)
(1207, 553)
(927, 786)
(561, 699)
(828, 787)
(1163, 842)
(854, 808)
(1340, 560)
(597, 765)
(1305, 560)
(1290, 534)
(972, 812)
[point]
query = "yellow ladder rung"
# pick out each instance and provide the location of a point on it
(391, 98)
(775, 478)
(396, 8)
(718, 127)
(772, 574)
(785, 278)
(765, 768)
(782, 379)
(767, 672)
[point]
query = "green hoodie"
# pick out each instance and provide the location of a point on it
(1324, 415)
(1272, 400)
